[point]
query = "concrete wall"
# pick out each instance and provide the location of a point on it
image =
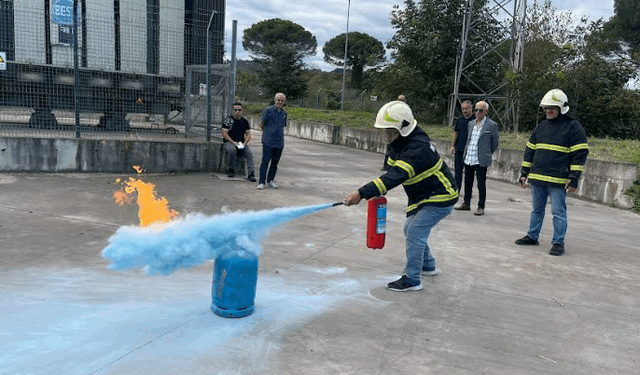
(602, 181)
(111, 156)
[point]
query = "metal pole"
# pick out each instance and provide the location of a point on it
(466, 22)
(344, 66)
(234, 40)
(76, 72)
(209, 78)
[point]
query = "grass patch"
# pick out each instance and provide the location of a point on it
(609, 149)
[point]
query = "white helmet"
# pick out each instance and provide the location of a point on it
(556, 98)
(396, 115)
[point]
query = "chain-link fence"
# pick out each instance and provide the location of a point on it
(197, 98)
(116, 70)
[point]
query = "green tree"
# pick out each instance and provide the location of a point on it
(280, 47)
(363, 51)
(245, 81)
(425, 47)
(620, 36)
(550, 49)
(561, 53)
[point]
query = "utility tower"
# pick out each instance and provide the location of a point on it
(503, 104)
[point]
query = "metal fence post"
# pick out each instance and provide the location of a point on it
(209, 122)
(76, 72)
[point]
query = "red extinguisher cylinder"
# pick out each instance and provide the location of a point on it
(376, 222)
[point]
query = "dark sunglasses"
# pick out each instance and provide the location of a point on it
(237, 109)
(478, 109)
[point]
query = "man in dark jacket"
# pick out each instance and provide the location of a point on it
(553, 162)
(427, 181)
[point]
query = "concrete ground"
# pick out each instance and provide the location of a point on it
(321, 304)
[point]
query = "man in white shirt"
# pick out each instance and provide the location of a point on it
(482, 142)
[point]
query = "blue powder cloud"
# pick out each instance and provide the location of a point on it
(183, 243)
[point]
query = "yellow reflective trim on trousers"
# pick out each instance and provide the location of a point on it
(526, 164)
(579, 146)
(407, 167)
(380, 185)
(547, 146)
(555, 180)
(531, 145)
(435, 198)
(577, 168)
(424, 174)
(391, 162)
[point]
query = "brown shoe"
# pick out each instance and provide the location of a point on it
(479, 211)
(462, 207)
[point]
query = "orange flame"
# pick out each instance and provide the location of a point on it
(151, 208)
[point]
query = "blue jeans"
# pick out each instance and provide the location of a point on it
(269, 154)
(539, 195)
(417, 229)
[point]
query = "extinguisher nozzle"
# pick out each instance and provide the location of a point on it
(337, 204)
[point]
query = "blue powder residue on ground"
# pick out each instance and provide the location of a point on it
(162, 249)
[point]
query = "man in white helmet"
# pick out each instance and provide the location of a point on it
(427, 181)
(553, 162)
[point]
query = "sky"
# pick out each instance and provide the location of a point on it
(328, 18)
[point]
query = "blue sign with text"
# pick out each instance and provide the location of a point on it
(62, 12)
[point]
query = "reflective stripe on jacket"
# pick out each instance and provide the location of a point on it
(414, 163)
(556, 152)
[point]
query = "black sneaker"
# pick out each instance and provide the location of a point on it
(526, 240)
(231, 173)
(251, 177)
(557, 249)
(401, 285)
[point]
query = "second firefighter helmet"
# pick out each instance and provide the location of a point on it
(396, 115)
(556, 98)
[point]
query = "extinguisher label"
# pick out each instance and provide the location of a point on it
(381, 224)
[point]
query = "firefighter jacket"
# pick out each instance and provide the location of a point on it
(556, 152)
(415, 163)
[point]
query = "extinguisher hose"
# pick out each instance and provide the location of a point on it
(337, 204)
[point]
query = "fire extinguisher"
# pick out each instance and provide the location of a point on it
(376, 222)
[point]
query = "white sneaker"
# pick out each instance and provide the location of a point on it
(260, 186)
(272, 185)
(431, 273)
(425, 273)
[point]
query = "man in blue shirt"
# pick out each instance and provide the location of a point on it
(272, 123)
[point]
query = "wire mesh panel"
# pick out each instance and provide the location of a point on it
(114, 70)
(196, 98)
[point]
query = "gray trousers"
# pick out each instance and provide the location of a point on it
(234, 156)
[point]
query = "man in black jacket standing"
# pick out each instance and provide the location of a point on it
(553, 162)
(428, 182)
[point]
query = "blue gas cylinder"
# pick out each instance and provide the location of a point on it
(235, 278)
